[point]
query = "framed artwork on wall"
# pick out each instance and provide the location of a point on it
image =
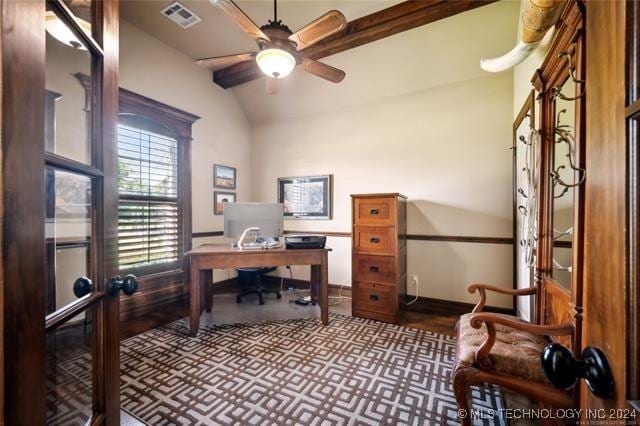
(219, 198)
(306, 197)
(224, 177)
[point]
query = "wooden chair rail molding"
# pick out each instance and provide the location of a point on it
(412, 237)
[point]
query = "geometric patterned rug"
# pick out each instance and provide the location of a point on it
(291, 372)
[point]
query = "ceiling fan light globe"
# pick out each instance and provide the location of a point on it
(57, 29)
(275, 63)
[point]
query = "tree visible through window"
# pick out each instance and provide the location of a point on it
(149, 220)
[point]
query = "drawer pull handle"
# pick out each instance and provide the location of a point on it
(374, 297)
(374, 240)
(374, 211)
(374, 269)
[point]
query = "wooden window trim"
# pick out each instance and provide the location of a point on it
(181, 122)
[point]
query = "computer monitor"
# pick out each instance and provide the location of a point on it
(266, 216)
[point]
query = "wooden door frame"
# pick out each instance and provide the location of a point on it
(23, 88)
(22, 194)
(632, 115)
(107, 34)
(605, 264)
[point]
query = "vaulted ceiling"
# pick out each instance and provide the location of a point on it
(440, 53)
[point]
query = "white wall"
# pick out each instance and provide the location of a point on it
(446, 148)
(222, 135)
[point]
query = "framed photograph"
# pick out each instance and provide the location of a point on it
(224, 177)
(219, 198)
(306, 197)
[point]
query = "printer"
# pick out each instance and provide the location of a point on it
(302, 241)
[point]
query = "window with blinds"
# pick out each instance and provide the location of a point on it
(149, 219)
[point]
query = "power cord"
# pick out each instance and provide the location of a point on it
(303, 295)
(415, 298)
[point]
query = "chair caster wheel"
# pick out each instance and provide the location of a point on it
(279, 295)
(261, 299)
(238, 299)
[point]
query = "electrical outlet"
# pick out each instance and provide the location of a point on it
(415, 280)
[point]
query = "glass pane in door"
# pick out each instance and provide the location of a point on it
(79, 323)
(68, 219)
(68, 95)
(69, 372)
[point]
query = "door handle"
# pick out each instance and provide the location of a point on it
(373, 268)
(82, 286)
(374, 211)
(128, 285)
(374, 240)
(563, 370)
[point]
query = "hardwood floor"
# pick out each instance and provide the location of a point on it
(226, 311)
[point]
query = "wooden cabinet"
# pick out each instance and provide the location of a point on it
(562, 170)
(379, 264)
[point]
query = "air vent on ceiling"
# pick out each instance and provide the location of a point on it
(180, 15)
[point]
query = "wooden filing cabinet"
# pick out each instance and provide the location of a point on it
(379, 256)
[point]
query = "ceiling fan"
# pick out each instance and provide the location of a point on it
(280, 48)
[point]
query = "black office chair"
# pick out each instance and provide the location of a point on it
(250, 280)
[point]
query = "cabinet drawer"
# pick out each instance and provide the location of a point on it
(372, 297)
(381, 269)
(375, 239)
(374, 211)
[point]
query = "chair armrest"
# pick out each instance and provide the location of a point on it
(481, 288)
(490, 320)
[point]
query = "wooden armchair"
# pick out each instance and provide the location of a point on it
(504, 350)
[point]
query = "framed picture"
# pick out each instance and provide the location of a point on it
(224, 177)
(306, 197)
(219, 198)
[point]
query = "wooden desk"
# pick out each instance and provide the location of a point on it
(207, 257)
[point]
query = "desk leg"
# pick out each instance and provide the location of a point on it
(194, 295)
(206, 278)
(314, 283)
(324, 289)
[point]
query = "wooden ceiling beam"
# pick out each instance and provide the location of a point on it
(376, 26)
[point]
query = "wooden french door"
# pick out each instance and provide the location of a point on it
(60, 290)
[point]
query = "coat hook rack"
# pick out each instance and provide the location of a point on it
(530, 207)
(521, 192)
(564, 135)
(560, 234)
(556, 91)
(558, 267)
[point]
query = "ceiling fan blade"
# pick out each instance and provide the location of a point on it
(218, 62)
(323, 70)
(229, 8)
(326, 25)
(272, 85)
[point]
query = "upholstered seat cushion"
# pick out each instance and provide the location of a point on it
(515, 353)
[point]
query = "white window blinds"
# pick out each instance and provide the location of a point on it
(149, 223)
